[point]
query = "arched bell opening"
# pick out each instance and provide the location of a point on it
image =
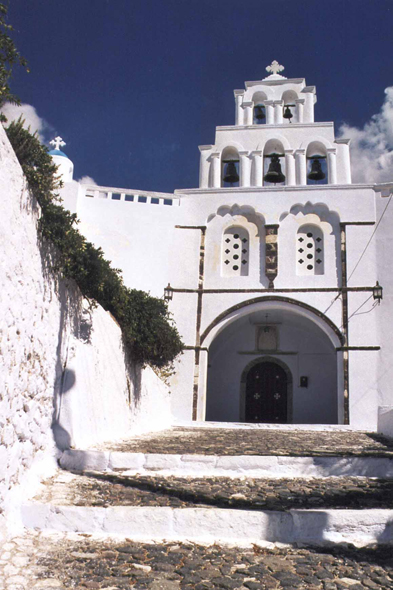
(230, 167)
(317, 169)
(259, 110)
(289, 98)
(272, 363)
(273, 163)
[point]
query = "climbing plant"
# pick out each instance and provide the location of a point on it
(9, 57)
(148, 331)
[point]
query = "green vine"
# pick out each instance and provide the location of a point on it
(9, 57)
(148, 332)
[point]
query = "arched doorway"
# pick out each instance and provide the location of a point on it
(266, 392)
(295, 339)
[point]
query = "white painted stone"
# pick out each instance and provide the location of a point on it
(385, 420)
(85, 460)
(156, 462)
(233, 466)
(131, 461)
(313, 527)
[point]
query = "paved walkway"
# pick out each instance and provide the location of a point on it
(48, 562)
(100, 489)
(217, 441)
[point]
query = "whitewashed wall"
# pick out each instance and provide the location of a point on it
(63, 376)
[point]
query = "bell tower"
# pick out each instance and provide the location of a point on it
(275, 140)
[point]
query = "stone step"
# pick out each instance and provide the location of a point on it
(255, 452)
(257, 440)
(59, 560)
(106, 489)
(92, 505)
(232, 466)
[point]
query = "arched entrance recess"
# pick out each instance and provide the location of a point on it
(266, 391)
(305, 345)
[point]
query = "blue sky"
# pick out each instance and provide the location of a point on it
(134, 86)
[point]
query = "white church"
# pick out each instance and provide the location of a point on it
(273, 267)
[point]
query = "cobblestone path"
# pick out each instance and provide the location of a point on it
(217, 441)
(101, 489)
(48, 562)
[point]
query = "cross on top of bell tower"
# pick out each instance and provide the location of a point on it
(57, 142)
(274, 70)
(275, 67)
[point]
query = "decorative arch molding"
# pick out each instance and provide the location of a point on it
(234, 145)
(233, 210)
(243, 384)
(252, 90)
(313, 219)
(289, 96)
(321, 210)
(274, 136)
(317, 139)
(331, 330)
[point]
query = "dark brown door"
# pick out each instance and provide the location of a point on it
(266, 394)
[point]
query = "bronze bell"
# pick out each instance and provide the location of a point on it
(230, 172)
(274, 174)
(288, 113)
(316, 172)
(259, 112)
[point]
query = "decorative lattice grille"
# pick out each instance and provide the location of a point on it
(235, 252)
(310, 254)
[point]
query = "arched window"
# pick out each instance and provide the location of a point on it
(230, 167)
(289, 98)
(235, 252)
(259, 112)
(309, 250)
(273, 163)
(317, 172)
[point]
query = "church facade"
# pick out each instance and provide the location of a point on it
(271, 267)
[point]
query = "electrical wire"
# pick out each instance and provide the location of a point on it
(360, 307)
(371, 237)
(331, 303)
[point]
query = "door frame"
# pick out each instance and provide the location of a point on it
(243, 385)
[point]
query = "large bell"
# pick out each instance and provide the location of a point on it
(259, 112)
(316, 172)
(274, 174)
(230, 173)
(288, 113)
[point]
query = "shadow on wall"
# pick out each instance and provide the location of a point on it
(72, 322)
(134, 381)
(76, 323)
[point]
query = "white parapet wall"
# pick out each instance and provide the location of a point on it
(64, 379)
(385, 420)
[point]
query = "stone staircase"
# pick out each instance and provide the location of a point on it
(230, 485)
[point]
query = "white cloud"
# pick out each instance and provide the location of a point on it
(87, 180)
(31, 117)
(372, 146)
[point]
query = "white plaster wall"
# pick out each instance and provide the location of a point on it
(349, 202)
(384, 249)
(292, 136)
(32, 329)
(103, 397)
(136, 237)
(63, 376)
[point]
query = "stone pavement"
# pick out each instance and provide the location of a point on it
(101, 489)
(238, 441)
(59, 561)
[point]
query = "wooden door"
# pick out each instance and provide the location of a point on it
(266, 394)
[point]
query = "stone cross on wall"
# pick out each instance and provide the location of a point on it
(275, 67)
(57, 142)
